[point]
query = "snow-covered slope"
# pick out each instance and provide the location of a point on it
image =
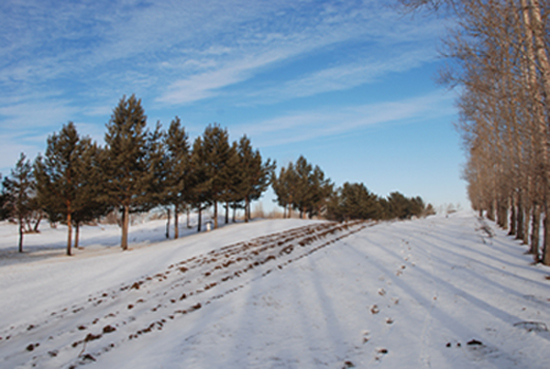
(437, 292)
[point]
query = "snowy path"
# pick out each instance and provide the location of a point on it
(430, 293)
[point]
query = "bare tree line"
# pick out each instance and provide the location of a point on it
(498, 58)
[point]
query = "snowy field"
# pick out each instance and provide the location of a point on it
(431, 293)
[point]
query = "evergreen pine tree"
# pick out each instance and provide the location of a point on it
(88, 205)
(19, 191)
(398, 206)
(320, 192)
(217, 152)
(256, 176)
(156, 160)
(126, 173)
(178, 179)
(354, 201)
(57, 178)
(232, 178)
(303, 194)
(4, 213)
(284, 187)
(201, 180)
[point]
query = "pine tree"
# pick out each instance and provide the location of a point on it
(354, 201)
(320, 191)
(233, 179)
(284, 187)
(256, 176)
(19, 190)
(57, 178)
(217, 153)
(126, 173)
(88, 205)
(303, 194)
(201, 180)
(4, 213)
(178, 176)
(156, 161)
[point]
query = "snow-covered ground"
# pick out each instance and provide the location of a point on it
(436, 292)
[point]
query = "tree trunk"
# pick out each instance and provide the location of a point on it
(37, 224)
(526, 220)
(76, 234)
(491, 211)
(125, 225)
(168, 216)
(546, 250)
(200, 218)
(246, 210)
(21, 231)
(226, 212)
(234, 212)
(520, 216)
(535, 232)
(69, 233)
(215, 215)
(188, 224)
(176, 226)
(502, 214)
(513, 218)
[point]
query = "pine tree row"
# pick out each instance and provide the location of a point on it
(77, 181)
(303, 188)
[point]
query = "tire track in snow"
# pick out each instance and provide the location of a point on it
(82, 333)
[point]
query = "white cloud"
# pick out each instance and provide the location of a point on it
(32, 113)
(307, 125)
(180, 52)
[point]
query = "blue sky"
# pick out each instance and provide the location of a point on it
(348, 84)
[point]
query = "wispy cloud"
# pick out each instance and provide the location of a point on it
(307, 125)
(343, 77)
(35, 114)
(180, 51)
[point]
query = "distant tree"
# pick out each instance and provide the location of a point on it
(156, 161)
(401, 207)
(178, 175)
(127, 176)
(398, 205)
(201, 180)
(234, 190)
(255, 176)
(19, 191)
(4, 209)
(312, 190)
(429, 210)
(216, 154)
(416, 207)
(302, 194)
(320, 192)
(284, 187)
(354, 201)
(302, 187)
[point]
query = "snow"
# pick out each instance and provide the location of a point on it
(276, 294)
